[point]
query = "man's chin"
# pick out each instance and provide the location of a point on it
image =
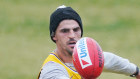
(70, 51)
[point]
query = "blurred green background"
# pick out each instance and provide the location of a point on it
(25, 41)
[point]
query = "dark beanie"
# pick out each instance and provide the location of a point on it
(62, 14)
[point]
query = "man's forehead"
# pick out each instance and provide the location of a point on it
(69, 27)
(68, 22)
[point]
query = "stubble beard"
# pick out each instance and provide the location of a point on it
(70, 52)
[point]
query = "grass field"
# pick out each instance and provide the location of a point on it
(25, 41)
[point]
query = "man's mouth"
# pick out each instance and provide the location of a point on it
(72, 44)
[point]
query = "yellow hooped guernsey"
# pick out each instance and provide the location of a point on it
(73, 74)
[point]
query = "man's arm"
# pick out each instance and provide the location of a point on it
(116, 64)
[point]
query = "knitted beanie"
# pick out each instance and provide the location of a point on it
(62, 13)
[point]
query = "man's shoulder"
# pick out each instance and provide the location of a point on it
(52, 65)
(53, 70)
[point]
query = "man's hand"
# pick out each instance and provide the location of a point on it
(138, 76)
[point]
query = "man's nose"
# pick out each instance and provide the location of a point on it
(72, 34)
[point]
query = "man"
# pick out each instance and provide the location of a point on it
(65, 30)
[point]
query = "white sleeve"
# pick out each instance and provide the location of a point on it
(52, 70)
(116, 64)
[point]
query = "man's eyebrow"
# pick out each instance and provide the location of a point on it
(65, 28)
(76, 27)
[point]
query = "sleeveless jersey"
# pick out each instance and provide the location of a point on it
(73, 74)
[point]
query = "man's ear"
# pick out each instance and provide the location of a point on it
(54, 38)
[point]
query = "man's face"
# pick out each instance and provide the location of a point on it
(67, 34)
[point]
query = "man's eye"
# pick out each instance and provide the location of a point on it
(64, 30)
(76, 29)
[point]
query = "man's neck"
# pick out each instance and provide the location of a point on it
(64, 56)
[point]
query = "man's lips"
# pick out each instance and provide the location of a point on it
(72, 44)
